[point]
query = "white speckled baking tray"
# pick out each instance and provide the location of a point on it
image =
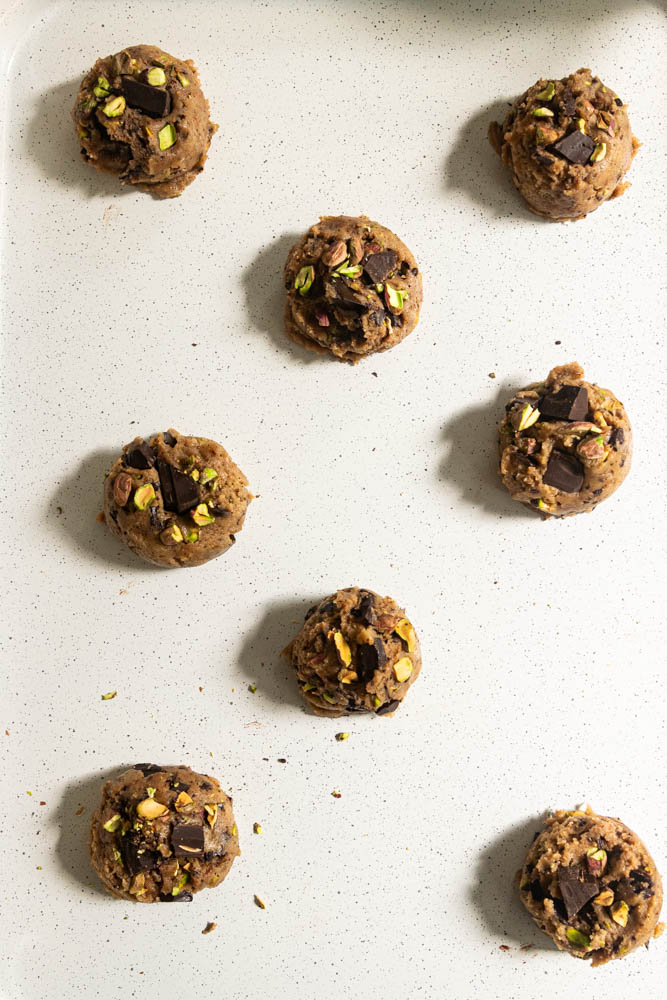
(544, 669)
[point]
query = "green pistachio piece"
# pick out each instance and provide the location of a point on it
(541, 505)
(171, 535)
(304, 279)
(252, 688)
(83, 133)
(191, 536)
(115, 107)
(113, 824)
(201, 515)
(395, 298)
(327, 697)
(599, 152)
(195, 475)
(308, 687)
(577, 938)
(156, 76)
(620, 912)
(183, 80)
(150, 792)
(178, 888)
(377, 701)
(341, 737)
(529, 416)
(116, 855)
(347, 270)
(379, 289)
(167, 136)
(543, 113)
(207, 475)
(143, 496)
(547, 93)
(103, 87)
(581, 124)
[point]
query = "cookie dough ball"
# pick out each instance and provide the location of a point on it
(353, 288)
(177, 501)
(591, 885)
(161, 834)
(141, 115)
(565, 444)
(568, 144)
(357, 652)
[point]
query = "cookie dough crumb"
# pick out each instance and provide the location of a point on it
(210, 926)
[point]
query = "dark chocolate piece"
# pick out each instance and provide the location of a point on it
(618, 102)
(187, 839)
(616, 437)
(365, 610)
(569, 403)
(575, 146)
(183, 897)
(219, 511)
(347, 296)
(137, 858)
(179, 492)
(148, 768)
(544, 158)
(569, 104)
(369, 659)
(169, 439)
(166, 485)
(310, 612)
(327, 608)
(576, 888)
(564, 472)
(378, 266)
(389, 706)
(377, 317)
(154, 101)
(536, 890)
(641, 883)
(140, 457)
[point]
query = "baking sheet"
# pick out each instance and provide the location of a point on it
(543, 682)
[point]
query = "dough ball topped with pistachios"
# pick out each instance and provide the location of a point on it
(353, 288)
(356, 652)
(568, 144)
(565, 444)
(141, 115)
(161, 834)
(590, 884)
(176, 500)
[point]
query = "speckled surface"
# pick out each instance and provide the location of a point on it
(543, 644)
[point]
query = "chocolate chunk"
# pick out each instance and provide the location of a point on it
(206, 785)
(137, 858)
(377, 317)
(369, 659)
(564, 472)
(166, 485)
(310, 612)
(179, 492)
(641, 883)
(569, 403)
(378, 266)
(414, 271)
(576, 888)
(183, 897)
(568, 104)
(365, 610)
(169, 439)
(575, 146)
(396, 320)
(140, 457)
(342, 292)
(544, 158)
(616, 437)
(536, 891)
(389, 706)
(596, 493)
(156, 520)
(187, 839)
(218, 511)
(154, 101)
(618, 102)
(327, 608)
(148, 768)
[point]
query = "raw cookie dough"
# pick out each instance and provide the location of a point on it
(356, 652)
(162, 833)
(353, 288)
(177, 501)
(568, 144)
(142, 116)
(590, 884)
(565, 444)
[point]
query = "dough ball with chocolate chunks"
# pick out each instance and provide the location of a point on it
(176, 501)
(161, 834)
(353, 288)
(141, 115)
(568, 144)
(591, 885)
(565, 444)
(356, 652)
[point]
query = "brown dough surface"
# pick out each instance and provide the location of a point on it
(345, 314)
(139, 858)
(164, 536)
(599, 446)
(349, 655)
(128, 145)
(552, 185)
(614, 897)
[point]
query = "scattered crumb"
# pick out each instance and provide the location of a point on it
(375, 374)
(260, 902)
(59, 511)
(80, 810)
(201, 689)
(342, 736)
(122, 591)
(504, 947)
(194, 345)
(28, 793)
(557, 341)
(525, 947)
(42, 803)
(100, 517)
(39, 868)
(336, 794)
(253, 723)
(210, 926)
(256, 828)
(282, 760)
(492, 374)
(659, 930)
(6, 732)
(252, 688)
(109, 695)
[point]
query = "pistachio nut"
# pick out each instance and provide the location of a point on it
(115, 107)
(156, 76)
(407, 633)
(304, 279)
(403, 669)
(143, 496)
(150, 809)
(343, 650)
(166, 137)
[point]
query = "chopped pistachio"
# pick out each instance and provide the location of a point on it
(304, 279)
(541, 505)
(116, 855)
(619, 913)
(581, 124)
(260, 902)
(171, 535)
(308, 687)
(327, 697)
(529, 416)
(379, 289)
(547, 93)
(207, 475)
(182, 79)
(211, 813)
(576, 937)
(179, 885)
(377, 702)
(115, 107)
(109, 695)
(191, 536)
(166, 136)
(599, 152)
(543, 113)
(182, 800)
(83, 133)
(234, 830)
(252, 688)
(143, 496)
(395, 298)
(605, 898)
(201, 515)
(346, 676)
(113, 824)
(342, 649)
(156, 76)
(256, 828)
(151, 792)
(403, 669)
(348, 270)
(406, 632)
(342, 736)
(195, 475)
(103, 87)
(150, 809)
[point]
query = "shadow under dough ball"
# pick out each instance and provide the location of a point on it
(161, 834)
(176, 501)
(141, 115)
(565, 444)
(568, 144)
(591, 885)
(353, 288)
(356, 652)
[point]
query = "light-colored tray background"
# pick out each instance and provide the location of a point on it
(543, 681)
